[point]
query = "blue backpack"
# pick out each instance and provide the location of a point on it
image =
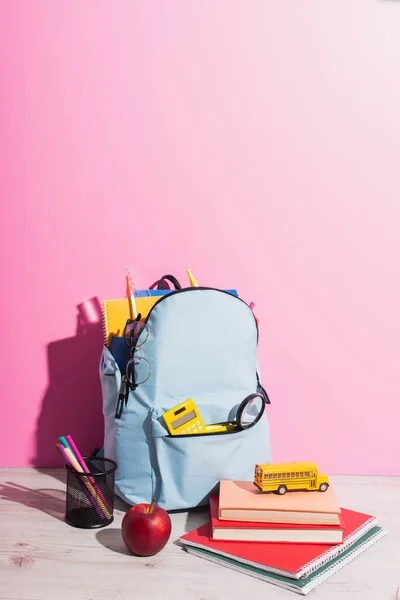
(199, 343)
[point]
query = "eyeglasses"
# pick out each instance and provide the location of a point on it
(250, 411)
(138, 369)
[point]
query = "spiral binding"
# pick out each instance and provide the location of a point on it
(316, 563)
(319, 579)
(106, 329)
(342, 562)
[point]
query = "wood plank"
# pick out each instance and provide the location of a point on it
(42, 558)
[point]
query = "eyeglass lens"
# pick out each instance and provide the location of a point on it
(136, 334)
(138, 370)
(251, 411)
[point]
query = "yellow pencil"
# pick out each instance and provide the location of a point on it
(130, 292)
(89, 486)
(193, 281)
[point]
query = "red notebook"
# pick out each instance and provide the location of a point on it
(290, 560)
(245, 531)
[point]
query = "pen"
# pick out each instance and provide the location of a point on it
(85, 490)
(82, 463)
(74, 463)
(68, 444)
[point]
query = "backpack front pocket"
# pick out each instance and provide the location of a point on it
(187, 469)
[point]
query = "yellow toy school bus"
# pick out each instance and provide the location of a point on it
(281, 477)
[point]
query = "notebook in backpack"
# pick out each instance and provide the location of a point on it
(201, 344)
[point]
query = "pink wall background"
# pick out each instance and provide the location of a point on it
(256, 142)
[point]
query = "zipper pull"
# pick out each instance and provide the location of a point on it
(122, 397)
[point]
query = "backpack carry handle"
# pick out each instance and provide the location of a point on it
(162, 283)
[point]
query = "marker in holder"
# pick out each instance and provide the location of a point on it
(90, 496)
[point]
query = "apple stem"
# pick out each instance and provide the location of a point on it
(151, 507)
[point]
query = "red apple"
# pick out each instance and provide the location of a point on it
(146, 529)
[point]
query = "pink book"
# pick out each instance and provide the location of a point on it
(242, 501)
(246, 531)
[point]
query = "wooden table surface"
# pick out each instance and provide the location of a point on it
(42, 558)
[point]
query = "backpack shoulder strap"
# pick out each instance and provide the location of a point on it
(162, 283)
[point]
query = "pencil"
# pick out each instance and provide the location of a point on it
(130, 292)
(79, 458)
(91, 489)
(66, 443)
(61, 450)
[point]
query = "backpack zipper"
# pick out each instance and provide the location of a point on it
(194, 289)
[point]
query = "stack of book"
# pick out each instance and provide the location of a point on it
(295, 541)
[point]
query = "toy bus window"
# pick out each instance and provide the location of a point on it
(307, 474)
(292, 474)
(301, 474)
(283, 475)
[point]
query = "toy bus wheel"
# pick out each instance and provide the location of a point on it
(282, 489)
(323, 487)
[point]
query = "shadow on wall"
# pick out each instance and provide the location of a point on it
(72, 403)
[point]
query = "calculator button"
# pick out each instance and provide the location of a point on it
(183, 431)
(188, 429)
(193, 426)
(195, 431)
(201, 427)
(198, 423)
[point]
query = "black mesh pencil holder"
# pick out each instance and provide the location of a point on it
(90, 496)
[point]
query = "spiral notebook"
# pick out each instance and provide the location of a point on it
(288, 560)
(116, 312)
(305, 584)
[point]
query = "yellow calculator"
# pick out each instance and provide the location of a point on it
(185, 419)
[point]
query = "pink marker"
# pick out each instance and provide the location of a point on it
(85, 468)
(88, 495)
